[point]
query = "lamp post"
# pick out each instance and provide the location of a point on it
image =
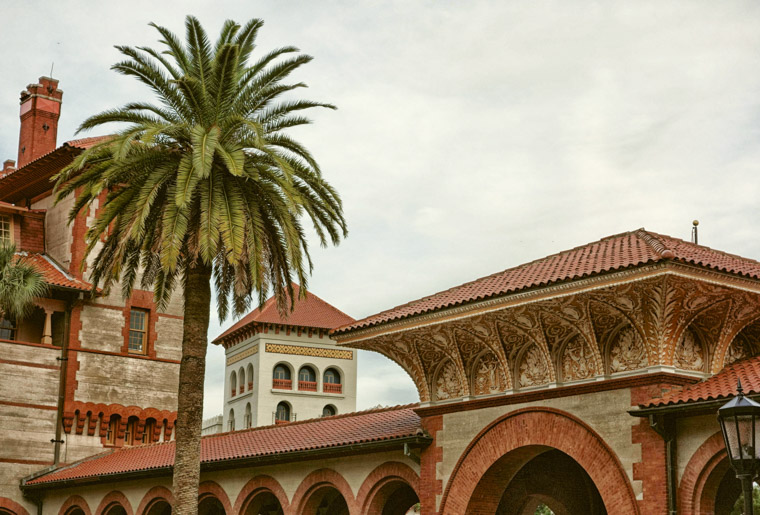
(739, 420)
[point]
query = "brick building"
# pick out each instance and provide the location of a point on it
(81, 374)
(587, 381)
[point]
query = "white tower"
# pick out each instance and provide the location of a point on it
(279, 370)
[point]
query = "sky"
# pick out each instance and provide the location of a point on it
(470, 137)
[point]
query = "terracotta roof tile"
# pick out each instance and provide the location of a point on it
(616, 252)
(53, 273)
(85, 143)
(309, 312)
(339, 430)
(720, 386)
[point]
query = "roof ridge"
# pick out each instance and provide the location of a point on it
(654, 243)
(316, 420)
(711, 249)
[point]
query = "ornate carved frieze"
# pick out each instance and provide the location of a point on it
(662, 319)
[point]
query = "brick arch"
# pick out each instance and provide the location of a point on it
(156, 493)
(317, 479)
(212, 489)
(260, 484)
(382, 475)
(701, 477)
(111, 498)
(12, 506)
(75, 501)
(540, 427)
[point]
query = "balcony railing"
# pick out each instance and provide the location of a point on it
(309, 386)
(242, 388)
(332, 388)
(282, 384)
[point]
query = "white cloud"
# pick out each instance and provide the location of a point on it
(470, 136)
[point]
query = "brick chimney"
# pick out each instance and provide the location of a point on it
(9, 165)
(40, 110)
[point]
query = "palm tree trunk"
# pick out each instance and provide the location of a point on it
(187, 462)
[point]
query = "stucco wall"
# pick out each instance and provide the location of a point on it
(58, 234)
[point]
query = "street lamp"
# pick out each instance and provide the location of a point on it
(739, 420)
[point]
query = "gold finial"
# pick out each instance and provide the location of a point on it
(695, 223)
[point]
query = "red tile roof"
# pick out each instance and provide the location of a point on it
(720, 386)
(85, 143)
(54, 274)
(616, 252)
(309, 312)
(384, 424)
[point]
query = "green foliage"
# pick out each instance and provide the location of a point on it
(207, 174)
(543, 510)
(738, 508)
(20, 284)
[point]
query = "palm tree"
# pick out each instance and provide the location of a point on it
(205, 183)
(20, 284)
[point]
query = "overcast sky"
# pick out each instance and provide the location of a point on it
(471, 136)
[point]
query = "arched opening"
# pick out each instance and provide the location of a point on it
(329, 410)
(233, 384)
(263, 502)
(394, 497)
(526, 478)
(323, 500)
(331, 381)
(231, 421)
(307, 379)
(149, 433)
(74, 510)
(281, 377)
(241, 380)
(249, 375)
(115, 509)
(282, 415)
(210, 505)
(112, 433)
(159, 507)
(131, 431)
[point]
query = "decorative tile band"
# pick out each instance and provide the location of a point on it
(242, 355)
(316, 352)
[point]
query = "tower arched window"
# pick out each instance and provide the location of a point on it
(281, 378)
(233, 384)
(249, 376)
(307, 379)
(231, 421)
(282, 415)
(241, 380)
(248, 416)
(331, 382)
(329, 410)
(148, 435)
(113, 429)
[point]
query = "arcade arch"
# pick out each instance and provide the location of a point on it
(498, 465)
(709, 485)
(323, 491)
(390, 489)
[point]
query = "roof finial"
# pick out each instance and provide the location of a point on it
(694, 238)
(739, 388)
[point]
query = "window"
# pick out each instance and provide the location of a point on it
(307, 379)
(233, 384)
(283, 413)
(113, 429)
(138, 323)
(331, 381)
(6, 229)
(231, 421)
(129, 434)
(248, 417)
(7, 329)
(241, 376)
(281, 372)
(150, 428)
(328, 411)
(249, 375)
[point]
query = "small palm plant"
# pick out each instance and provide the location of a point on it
(20, 284)
(204, 183)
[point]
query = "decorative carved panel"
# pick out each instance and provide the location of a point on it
(447, 385)
(488, 377)
(627, 352)
(690, 354)
(578, 360)
(534, 369)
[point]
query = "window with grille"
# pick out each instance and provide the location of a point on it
(138, 323)
(6, 229)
